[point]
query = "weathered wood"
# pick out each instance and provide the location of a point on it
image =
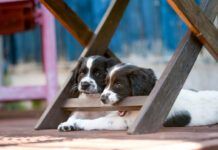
(53, 115)
(162, 97)
(198, 23)
(130, 103)
(72, 22)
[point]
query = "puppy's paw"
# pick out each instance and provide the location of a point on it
(69, 126)
(64, 126)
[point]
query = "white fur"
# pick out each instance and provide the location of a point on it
(109, 122)
(112, 97)
(202, 106)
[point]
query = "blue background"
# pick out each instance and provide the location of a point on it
(148, 21)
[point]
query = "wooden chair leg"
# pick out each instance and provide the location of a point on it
(198, 23)
(162, 97)
(53, 115)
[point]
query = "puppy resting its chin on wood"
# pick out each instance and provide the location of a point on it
(190, 109)
(90, 77)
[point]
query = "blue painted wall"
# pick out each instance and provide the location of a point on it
(148, 26)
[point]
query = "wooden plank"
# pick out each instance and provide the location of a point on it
(162, 97)
(72, 22)
(53, 115)
(130, 103)
(198, 23)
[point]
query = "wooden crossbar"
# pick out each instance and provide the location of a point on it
(198, 23)
(162, 97)
(53, 115)
(130, 103)
(157, 105)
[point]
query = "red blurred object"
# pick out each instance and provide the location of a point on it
(16, 16)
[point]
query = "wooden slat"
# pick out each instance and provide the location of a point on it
(130, 103)
(162, 97)
(198, 23)
(72, 22)
(53, 115)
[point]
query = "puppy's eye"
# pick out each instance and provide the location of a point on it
(82, 73)
(117, 84)
(97, 74)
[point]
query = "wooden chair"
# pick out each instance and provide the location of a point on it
(155, 107)
(22, 15)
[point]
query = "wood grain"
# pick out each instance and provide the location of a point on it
(54, 114)
(130, 103)
(162, 97)
(198, 23)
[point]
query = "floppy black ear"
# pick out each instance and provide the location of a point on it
(76, 70)
(75, 73)
(111, 62)
(142, 81)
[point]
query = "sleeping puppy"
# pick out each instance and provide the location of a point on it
(190, 108)
(89, 75)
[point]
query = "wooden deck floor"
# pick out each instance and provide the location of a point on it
(19, 134)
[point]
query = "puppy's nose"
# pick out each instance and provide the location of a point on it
(104, 98)
(85, 85)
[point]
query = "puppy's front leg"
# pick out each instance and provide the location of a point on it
(103, 123)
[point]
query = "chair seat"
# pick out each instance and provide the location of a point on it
(16, 16)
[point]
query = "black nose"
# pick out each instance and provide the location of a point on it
(85, 85)
(104, 98)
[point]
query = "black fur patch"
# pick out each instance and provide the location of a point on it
(180, 119)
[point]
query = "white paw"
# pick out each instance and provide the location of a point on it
(69, 126)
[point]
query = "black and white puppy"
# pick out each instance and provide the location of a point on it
(127, 80)
(92, 72)
(190, 109)
(89, 75)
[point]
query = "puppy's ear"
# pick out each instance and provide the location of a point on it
(75, 74)
(77, 69)
(111, 62)
(142, 81)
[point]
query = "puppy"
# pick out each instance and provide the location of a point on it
(190, 108)
(89, 75)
